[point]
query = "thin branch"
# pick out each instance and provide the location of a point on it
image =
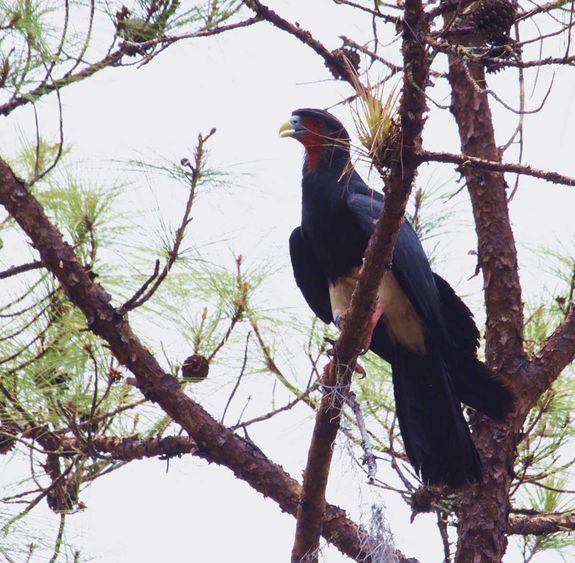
(59, 538)
(129, 449)
(279, 410)
(130, 303)
(196, 173)
(465, 160)
(15, 270)
(378, 257)
(368, 457)
(238, 380)
(331, 61)
(111, 60)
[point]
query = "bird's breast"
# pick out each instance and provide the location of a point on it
(399, 317)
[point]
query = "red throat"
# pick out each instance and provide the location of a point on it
(313, 149)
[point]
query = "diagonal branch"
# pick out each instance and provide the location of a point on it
(110, 60)
(331, 61)
(378, 257)
(557, 353)
(215, 443)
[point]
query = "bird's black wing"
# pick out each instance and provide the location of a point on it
(309, 276)
(410, 265)
(445, 317)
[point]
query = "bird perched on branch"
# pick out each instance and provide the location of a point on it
(425, 331)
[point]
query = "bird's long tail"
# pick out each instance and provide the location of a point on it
(433, 428)
(477, 387)
(475, 383)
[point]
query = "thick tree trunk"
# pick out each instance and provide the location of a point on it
(484, 508)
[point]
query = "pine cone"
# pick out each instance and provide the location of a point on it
(345, 56)
(493, 19)
(195, 368)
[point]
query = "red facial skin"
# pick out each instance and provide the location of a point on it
(313, 140)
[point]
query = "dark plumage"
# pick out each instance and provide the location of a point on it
(426, 332)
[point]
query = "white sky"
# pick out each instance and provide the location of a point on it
(246, 83)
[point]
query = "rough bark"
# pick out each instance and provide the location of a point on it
(215, 443)
(484, 508)
(541, 524)
(128, 449)
(378, 256)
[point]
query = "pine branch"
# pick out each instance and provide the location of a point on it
(474, 162)
(15, 270)
(557, 353)
(215, 443)
(128, 449)
(49, 85)
(378, 257)
(541, 524)
(331, 61)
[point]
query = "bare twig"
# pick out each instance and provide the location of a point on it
(475, 162)
(368, 457)
(238, 380)
(15, 270)
(279, 410)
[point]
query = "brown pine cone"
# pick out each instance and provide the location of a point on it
(493, 19)
(195, 368)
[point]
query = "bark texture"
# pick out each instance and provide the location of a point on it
(484, 507)
(215, 443)
(377, 259)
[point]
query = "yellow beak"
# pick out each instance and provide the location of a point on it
(286, 130)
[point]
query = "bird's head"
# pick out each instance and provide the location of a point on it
(320, 133)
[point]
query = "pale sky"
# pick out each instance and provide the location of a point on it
(246, 83)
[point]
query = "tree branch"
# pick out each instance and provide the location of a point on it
(557, 353)
(15, 270)
(110, 60)
(331, 61)
(541, 524)
(465, 160)
(378, 257)
(128, 449)
(215, 443)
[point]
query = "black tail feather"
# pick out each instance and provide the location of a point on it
(433, 428)
(475, 383)
(478, 388)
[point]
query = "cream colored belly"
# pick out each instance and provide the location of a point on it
(399, 316)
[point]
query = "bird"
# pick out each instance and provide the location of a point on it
(425, 331)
